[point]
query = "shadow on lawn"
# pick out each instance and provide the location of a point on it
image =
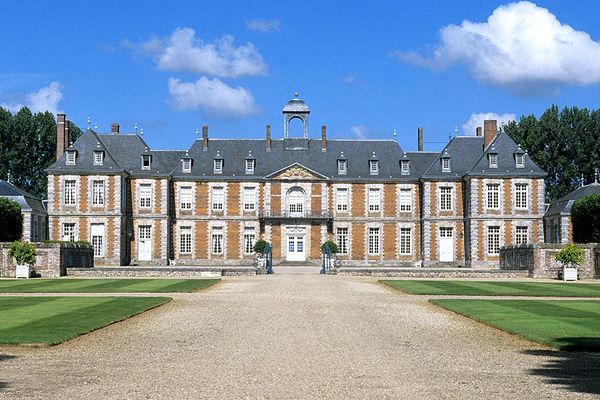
(5, 357)
(578, 371)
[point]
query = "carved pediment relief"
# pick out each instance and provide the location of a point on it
(296, 172)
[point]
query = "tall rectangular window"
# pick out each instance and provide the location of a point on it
(249, 198)
(98, 157)
(97, 234)
(69, 193)
(521, 195)
(71, 155)
(492, 196)
(250, 166)
(405, 200)
(146, 161)
(217, 240)
(249, 240)
(145, 195)
(218, 166)
(217, 198)
(519, 160)
(445, 198)
(374, 167)
(404, 167)
(493, 160)
(69, 232)
(186, 165)
(341, 238)
(373, 241)
(185, 197)
(445, 165)
(493, 239)
(342, 167)
(374, 199)
(185, 240)
(522, 235)
(405, 240)
(97, 193)
(341, 199)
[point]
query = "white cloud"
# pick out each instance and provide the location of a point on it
(44, 99)
(263, 25)
(211, 96)
(476, 120)
(184, 52)
(521, 47)
(360, 131)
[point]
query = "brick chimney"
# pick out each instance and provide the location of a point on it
(490, 128)
(323, 138)
(420, 139)
(268, 137)
(205, 137)
(114, 129)
(61, 134)
(478, 131)
(67, 136)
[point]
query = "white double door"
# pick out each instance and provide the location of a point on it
(295, 248)
(446, 245)
(145, 243)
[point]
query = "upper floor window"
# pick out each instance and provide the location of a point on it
(519, 160)
(146, 161)
(445, 164)
(217, 198)
(218, 166)
(404, 167)
(98, 157)
(521, 190)
(342, 167)
(249, 198)
(493, 160)
(69, 193)
(374, 199)
(98, 193)
(405, 199)
(185, 198)
(186, 165)
(296, 202)
(250, 166)
(145, 195)
(341, 199)
(445, 198)
(71, 156)
(374, 167)
(492, 196)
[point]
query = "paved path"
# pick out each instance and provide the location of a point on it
(297, 336)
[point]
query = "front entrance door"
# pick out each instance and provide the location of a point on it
(145, 243)
(446, 245)
(295, 248)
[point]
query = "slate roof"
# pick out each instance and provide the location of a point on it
(564, 204)
(463, 152)
(27, 201)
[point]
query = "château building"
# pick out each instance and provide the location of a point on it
(210, 203)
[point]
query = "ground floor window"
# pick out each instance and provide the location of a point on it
(249, 240)
(374, 241)
(493, 239)
(341, 236)
(522, 235)
(217, 240)
(97, 234)
(405, 240)
(145, 232)
(185, 240)
(69, 232)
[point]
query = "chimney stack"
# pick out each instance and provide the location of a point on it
(490, 128)
(323, 138)
(205, 137)
(268, 137)
(60, 135)
(115, 129)
(478, 131)
(420, 139)
(67, 136)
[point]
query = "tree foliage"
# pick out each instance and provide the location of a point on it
(333, 247)
(260, 247)
(585, 216)
(570, 256)
(23, 252)
(28, 147)
(564, 143)
(11, 220)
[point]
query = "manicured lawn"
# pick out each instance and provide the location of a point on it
(562, 324)
(490, 288)
(104, 285)
(52, 320)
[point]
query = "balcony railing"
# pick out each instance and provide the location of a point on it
(295, 215)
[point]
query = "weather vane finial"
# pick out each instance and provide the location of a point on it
(296, 95)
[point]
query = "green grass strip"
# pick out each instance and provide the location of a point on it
(563, 324)
(104, 285)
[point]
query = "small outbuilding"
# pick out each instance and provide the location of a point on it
(35, 216)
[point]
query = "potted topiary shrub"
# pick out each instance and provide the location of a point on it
(333, 247)
(260, 247)
(329, 249)
(24, 254)
(570, 257)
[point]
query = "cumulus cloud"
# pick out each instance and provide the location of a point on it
(522, 47)
(476, 120)
(44, 99)
(183, 51)
(360, 131)
(263, 25)
(211, 96)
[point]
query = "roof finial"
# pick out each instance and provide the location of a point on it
(141, 131)
(8, 177)
(596, 175)
(395, 135)
(89, 121)
(136, 128)
(582, 181)
(95, 125)
(295, 95)
(197, 132)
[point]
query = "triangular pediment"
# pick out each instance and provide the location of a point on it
(295, 172)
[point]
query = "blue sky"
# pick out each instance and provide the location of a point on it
(364, 68)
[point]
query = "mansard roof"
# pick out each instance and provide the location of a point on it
(463, 151)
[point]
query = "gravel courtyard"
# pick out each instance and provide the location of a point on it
(297, 336)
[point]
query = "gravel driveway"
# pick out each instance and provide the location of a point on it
(297, 336)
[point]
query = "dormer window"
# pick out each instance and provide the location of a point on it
(519, 160)
(405, 167)
(98, 157)
(374, 167)
(71, 156)
(250, 163)
(218, 166)
(493, 160)
(146, 161)
(342, 166)
(446, 164)
(186, 165)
